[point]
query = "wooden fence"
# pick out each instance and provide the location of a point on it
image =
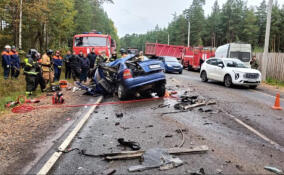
(275, 65)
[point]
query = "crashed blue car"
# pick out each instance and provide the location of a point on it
(129, 77)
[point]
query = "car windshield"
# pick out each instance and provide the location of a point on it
(171, 59)
(235, 64)
(90, 41)
(243, 56)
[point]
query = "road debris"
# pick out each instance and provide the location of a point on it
(161, 106)
(157, 158)
(149, 126)
(109, 171)
(183, 140)
(117, 123)
(274, 170)
(137, 154)
(168, 135)
(131, 144)
(119, 115)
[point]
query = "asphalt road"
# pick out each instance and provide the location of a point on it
(234, 149)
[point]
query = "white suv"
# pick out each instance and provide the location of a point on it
(230, 71)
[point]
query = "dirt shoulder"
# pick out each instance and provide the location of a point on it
(21, 134)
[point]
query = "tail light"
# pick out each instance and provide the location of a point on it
(127, 74)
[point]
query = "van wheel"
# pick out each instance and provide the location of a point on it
(228, 81)
(121, 94)
(189, 68)
(204, 76)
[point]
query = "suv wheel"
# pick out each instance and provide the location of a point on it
(253, 86)
(204, 76)
(228, 81)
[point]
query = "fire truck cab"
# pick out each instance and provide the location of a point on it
(100, 42)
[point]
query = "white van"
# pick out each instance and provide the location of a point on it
(235, 50)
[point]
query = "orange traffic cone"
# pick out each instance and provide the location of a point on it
(167, 94)
(277, 102)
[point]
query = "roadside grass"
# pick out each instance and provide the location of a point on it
(11, 89)
(274, 82)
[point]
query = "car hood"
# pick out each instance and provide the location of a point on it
(173, 63)
(245, 70)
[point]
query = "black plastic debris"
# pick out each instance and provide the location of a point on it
(131, 144)
(119, 115)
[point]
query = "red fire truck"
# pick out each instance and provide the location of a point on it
(100, 42)
(190, 57)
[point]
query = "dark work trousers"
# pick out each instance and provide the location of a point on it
(84, 74)
(15, 72)
(6, 72)
(30, 83)
(57, 73)
(75, 73)
(41, 82)
(67, 72)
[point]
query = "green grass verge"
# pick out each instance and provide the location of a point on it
(274, 82)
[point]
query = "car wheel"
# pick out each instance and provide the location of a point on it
(182, 64)
(161, 90)
(121, 92)
(253, 86)
(228, 81)
(204, 76)
(180, 72)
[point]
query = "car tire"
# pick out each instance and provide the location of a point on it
(182, 64)
(253, 86)
(180, 72)
(204, 76)
(161, 90)
(121, 93)
(228, 81)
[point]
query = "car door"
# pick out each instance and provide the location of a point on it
(210, 68)
(219, 71)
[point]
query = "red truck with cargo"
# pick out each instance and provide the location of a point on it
(191, 58)
(100, 42)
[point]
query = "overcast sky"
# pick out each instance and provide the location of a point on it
(140, 16)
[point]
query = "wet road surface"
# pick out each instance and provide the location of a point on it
(233, 149)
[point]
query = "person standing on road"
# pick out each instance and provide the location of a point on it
(15, 63)
(57, 63)
(254, 63)
(101, 58)
(6, 61)
(85, 67)
(66, 60)
(75, 66)
(31, 71)
(47, 70)
(92, 58)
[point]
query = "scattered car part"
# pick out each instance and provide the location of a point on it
(274, 170)
(131, 144)
(154, 158)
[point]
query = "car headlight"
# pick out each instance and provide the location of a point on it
(169, 65)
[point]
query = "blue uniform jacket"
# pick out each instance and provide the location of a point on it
(57, 61)
(6, 58)
(15, 59)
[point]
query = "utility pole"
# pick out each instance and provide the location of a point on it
(20, 25)
(168, 38)
(188, 34)
(266, 44)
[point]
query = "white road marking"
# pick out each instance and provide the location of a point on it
(55, 156)
(254, 131)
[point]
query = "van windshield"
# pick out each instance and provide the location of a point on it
(90, 41)
(243, 56)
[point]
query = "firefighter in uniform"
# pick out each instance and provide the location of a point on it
(123, 53)
(6, 61)
(47, 70)
(57, 63)
(102, 58)
(40, 79)
(15, 63)
(31, 71)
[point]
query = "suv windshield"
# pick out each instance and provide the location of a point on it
(90, 41)
(171, 59)
(243, 56)
(236, 64)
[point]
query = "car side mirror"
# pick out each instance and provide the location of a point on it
(220, 65)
